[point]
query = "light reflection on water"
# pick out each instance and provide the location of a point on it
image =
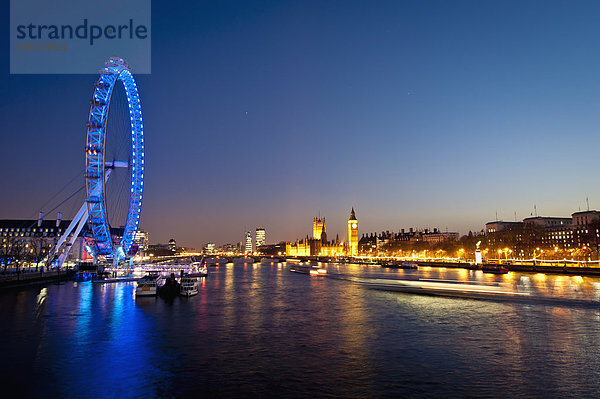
(259, 330)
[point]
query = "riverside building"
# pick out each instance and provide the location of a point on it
(319, 245)
(581, 230)
(248, 247)
(260, 237)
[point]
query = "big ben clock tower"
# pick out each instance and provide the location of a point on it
(352, 234)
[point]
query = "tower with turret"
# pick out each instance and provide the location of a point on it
(318, 227)
(352, 234)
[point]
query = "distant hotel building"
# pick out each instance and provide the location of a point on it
(499, 225)
(260, 237)
(582, 229)
(584, 218)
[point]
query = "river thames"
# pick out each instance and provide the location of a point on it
(261, 331)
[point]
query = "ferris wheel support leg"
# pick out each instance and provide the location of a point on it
(79, 220)
(76, 224)
(82, 222)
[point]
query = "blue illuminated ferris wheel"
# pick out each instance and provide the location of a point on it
(98, 168)
(101, 162)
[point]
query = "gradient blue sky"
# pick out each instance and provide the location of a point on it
(420, 114)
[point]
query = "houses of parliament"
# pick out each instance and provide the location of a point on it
(319, 245)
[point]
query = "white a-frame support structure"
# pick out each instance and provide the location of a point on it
(64, 245)
(79, 220)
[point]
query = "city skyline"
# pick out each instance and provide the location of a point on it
(318, 222)
(418, 114)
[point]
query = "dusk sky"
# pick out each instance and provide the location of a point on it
(419, 114)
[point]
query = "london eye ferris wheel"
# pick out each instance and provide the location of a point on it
(103, 160)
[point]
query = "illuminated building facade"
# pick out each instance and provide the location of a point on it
(499, 225)
(32, 240)
(173, 245)
(260, 237)
(439, 236)
(209, 248)
(318, 227)
(387, 241)
(352, 234)
(581, 230)
(311, 247)
(141, 240)
(248, 248)
(547, 222)
(318, 245)
(228, 248)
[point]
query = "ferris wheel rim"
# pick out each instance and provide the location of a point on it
(115, 69)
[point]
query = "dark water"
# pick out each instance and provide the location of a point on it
(261, 331)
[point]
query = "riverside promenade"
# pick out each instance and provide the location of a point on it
(24, 277)
(569, 269)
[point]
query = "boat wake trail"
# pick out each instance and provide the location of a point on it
(465, 290)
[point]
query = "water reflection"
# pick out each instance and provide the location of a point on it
(259, 330)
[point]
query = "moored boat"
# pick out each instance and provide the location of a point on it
(494, 269)
(409, 265)
(188, 286)
(300, 268)
(403, 265)
(198, 269)
(147, 285)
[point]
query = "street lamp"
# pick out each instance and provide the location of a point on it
(534, 255)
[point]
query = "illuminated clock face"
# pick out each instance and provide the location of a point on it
(354, 225)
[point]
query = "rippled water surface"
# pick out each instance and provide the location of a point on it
(261, 331)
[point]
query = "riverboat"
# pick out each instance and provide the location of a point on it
(148, 285)
(188, 286)
(306, 268)
(494, 269)
(198, 269)
(300, 268)
(403, 265)
(409, 265)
